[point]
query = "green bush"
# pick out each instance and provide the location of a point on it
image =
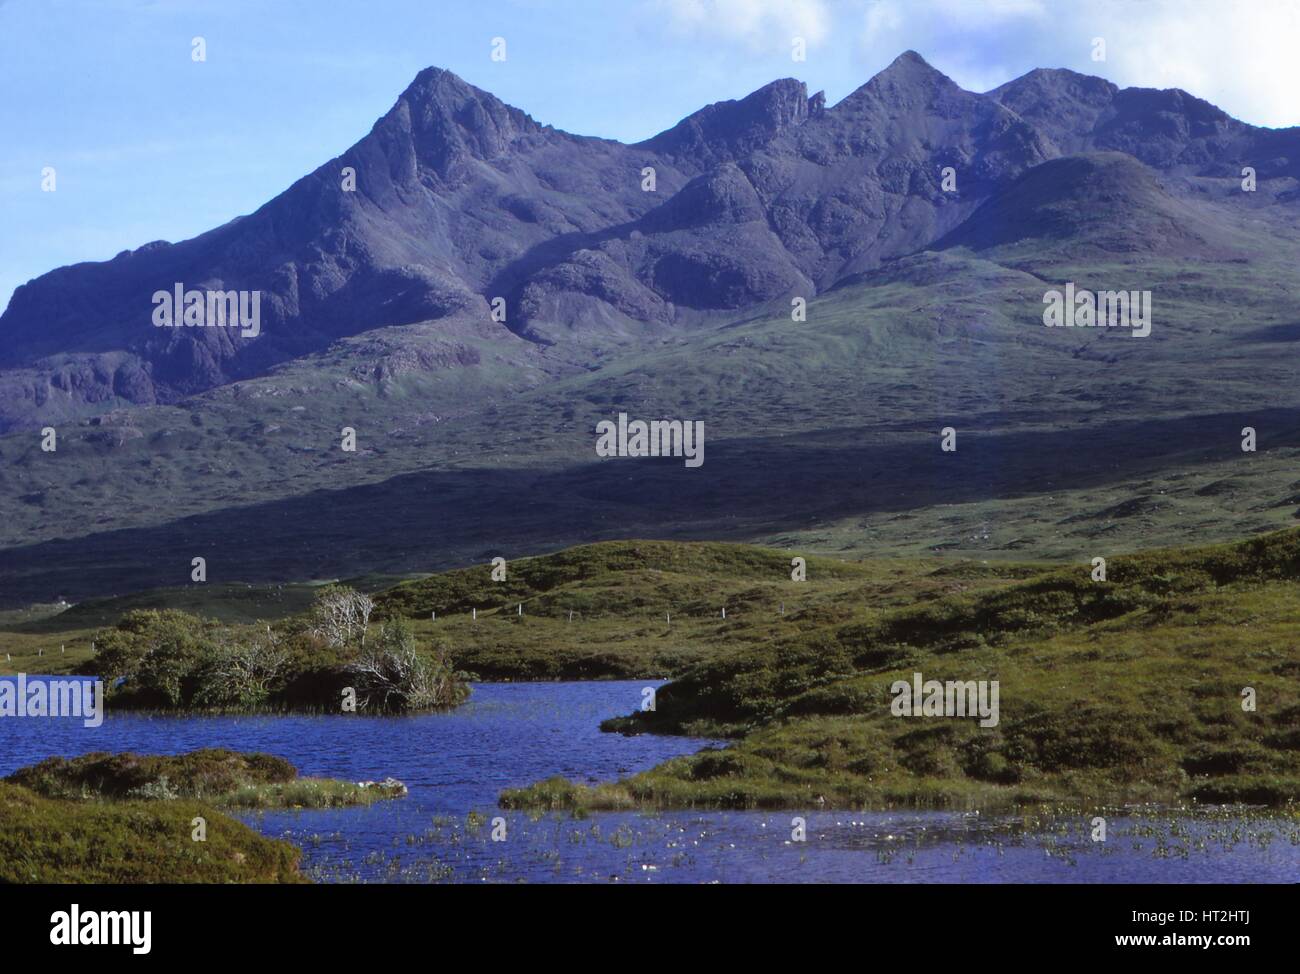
(171, 660)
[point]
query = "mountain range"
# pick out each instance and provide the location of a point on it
(460, 198)
(491, 287)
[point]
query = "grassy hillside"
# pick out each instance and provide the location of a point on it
(640, 608)
(652, 608)
(1125, 690)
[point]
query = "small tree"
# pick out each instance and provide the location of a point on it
(392, 677)
(341, 615)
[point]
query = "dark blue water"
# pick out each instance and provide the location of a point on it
(456, 764)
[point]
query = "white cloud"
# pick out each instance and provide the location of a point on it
(1242, 58)
(757, 23)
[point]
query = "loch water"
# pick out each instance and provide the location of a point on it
(511, 734)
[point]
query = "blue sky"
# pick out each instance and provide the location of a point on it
(147, 144)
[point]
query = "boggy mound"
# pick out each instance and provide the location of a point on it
(213, 775)
(44, 840)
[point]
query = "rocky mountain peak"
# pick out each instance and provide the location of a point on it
(726, 130)
(447, 119)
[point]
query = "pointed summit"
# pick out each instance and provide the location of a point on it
(908, 80)
(909, 60)
(434, 79)
(447, 120)
(909, 69)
